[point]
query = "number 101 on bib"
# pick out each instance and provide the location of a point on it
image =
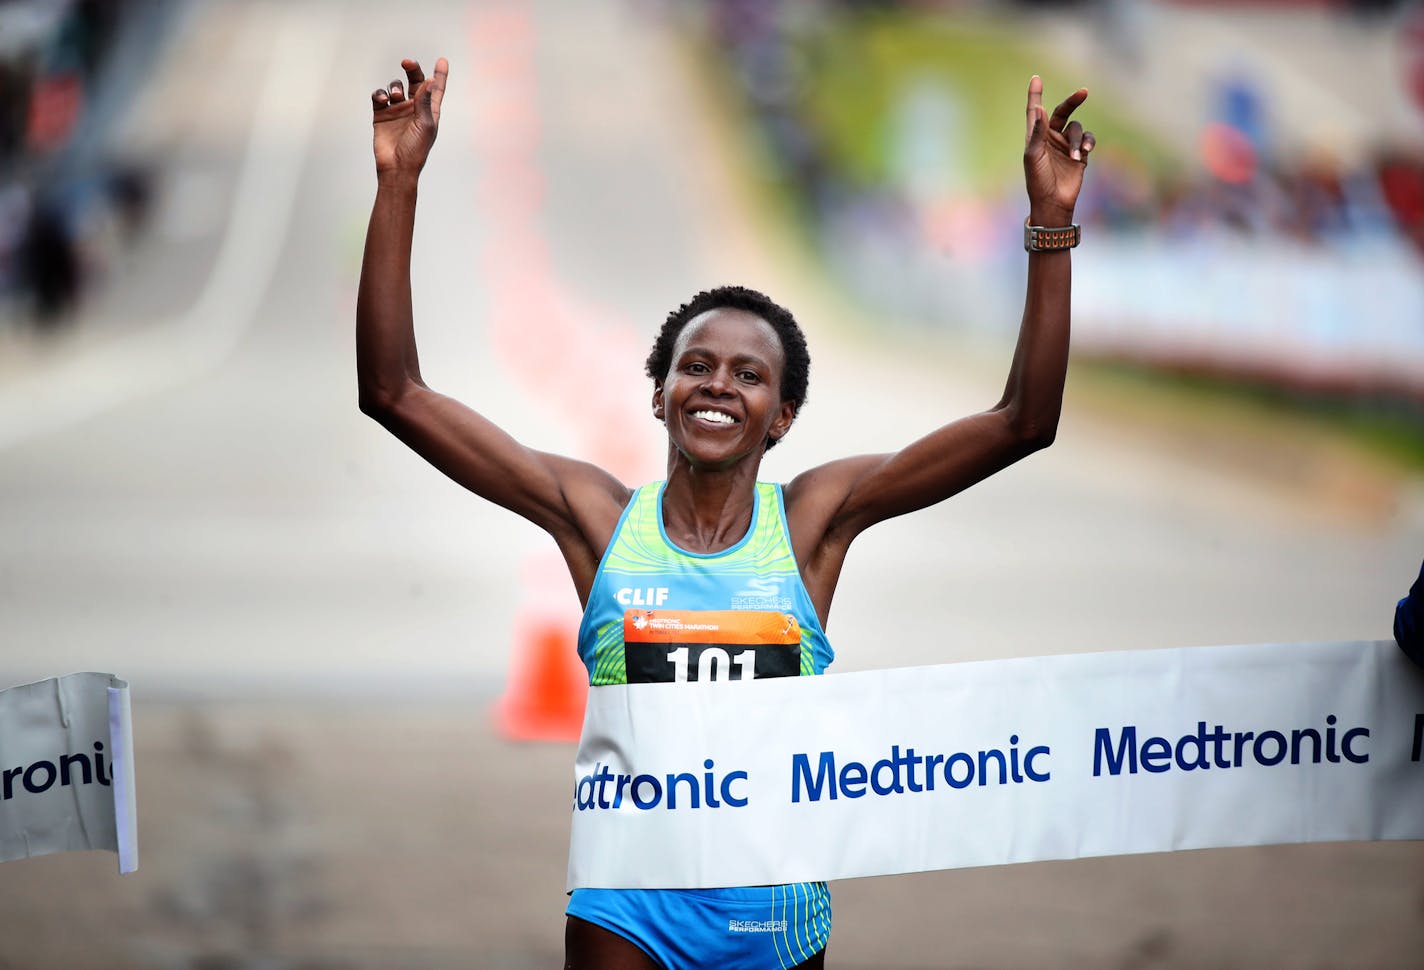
(673, 646)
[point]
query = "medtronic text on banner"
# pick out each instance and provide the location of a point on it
(66, 768)
(803, 779)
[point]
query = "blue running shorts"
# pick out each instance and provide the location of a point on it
(750, 928)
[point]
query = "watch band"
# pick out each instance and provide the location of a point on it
(1048, 239)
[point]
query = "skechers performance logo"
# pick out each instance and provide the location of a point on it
(761, 593)
(40, 777)
(756, 926)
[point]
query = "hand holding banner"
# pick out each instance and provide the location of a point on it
(66, 768)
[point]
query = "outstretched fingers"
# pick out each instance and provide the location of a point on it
(1066, 107)
(1035, 108)
(434, 92)
(426, 93)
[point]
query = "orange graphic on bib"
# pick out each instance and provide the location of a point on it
(700, 645)
(710, 626)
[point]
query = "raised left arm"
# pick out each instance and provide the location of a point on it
(839, 500)
(1055, 155)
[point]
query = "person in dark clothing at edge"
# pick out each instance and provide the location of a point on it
(728, 374)
(1409, 621)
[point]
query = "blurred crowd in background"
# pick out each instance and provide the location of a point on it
(1229, 246)
(69, 199)
(1233, 240)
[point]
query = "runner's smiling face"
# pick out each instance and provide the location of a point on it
(721, 398)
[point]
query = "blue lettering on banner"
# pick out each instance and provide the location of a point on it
(1220, 748)
(602, 789)
(910, 771)
(40, 777)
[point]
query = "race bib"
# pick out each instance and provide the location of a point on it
(674, 646)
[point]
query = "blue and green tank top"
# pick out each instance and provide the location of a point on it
(660, 613)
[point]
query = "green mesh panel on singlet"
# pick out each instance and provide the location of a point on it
(639, 549)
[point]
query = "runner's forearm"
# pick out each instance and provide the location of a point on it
(386, 360)
(1033, 395)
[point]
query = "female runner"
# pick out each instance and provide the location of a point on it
(729, 374)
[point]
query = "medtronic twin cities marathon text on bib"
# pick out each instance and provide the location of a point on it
(66, 768)
(744, 781)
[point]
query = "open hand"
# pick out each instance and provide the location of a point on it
(405, 117)
(1055, 154)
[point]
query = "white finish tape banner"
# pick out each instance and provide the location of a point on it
(975, 764)
(66, 768)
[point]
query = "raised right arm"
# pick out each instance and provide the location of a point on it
(577, 503)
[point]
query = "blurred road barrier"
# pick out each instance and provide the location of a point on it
(1315, 318)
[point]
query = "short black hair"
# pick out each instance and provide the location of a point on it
(796, 367)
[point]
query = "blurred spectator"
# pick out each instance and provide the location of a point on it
(55, 189)
(1239, 182)
(1401, 180)
(14, 223)
(50, 263)
(14, 106)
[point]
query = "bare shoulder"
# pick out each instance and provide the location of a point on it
(593, 501)
(816, 501)
(594, 498)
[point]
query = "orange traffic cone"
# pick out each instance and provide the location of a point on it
(548, 684)
(548, 687)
